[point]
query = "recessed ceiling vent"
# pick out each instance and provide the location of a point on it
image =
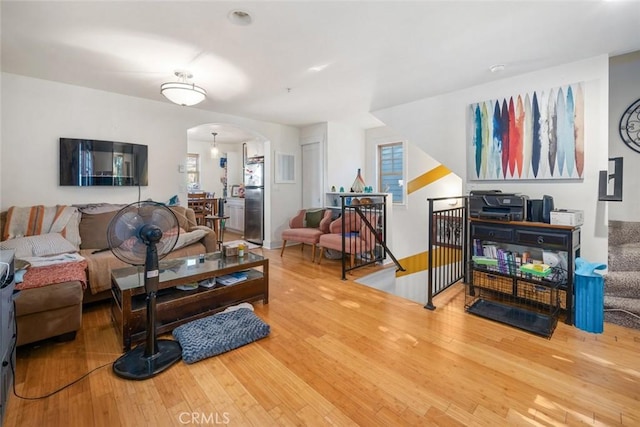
(239, 17)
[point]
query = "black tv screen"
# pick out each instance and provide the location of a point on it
(87, 162)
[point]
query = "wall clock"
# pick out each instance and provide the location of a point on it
(630, 126)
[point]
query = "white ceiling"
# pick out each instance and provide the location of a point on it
(376, 54)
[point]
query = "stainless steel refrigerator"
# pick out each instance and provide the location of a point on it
(254, 200)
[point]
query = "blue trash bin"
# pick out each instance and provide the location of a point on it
(589, 292)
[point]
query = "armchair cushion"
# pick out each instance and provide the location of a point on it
(300, 219)
(313, 218)
(302, 235)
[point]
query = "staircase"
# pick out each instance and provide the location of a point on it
(622, 282)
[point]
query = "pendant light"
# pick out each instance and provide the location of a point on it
(214, 149)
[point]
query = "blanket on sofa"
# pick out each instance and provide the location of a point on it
(37, 277)
(39, 219)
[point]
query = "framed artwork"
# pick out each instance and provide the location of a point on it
(235, 191)
(447, 231)
(528, 136)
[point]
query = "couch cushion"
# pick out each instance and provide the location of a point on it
(189, 237)
(93, 230)
(40, 219)
(40, 245)
(93, 226)
(186, 217)
(47, 298)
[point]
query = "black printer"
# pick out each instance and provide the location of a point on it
(494, 204)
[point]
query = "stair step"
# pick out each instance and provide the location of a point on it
(624, 257)
(622, 311)
(622, 318)
(629, 304)
(622, 284)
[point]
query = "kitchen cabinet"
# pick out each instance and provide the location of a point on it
(235, 210)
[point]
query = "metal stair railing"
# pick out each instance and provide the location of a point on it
(361, 251)
(447, 248)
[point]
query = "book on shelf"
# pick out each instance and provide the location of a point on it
(490, 251)
(541, 270)
(477, 247)
(506, 261)
(232, 278)
(483, 260)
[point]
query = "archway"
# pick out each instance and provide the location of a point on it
(222, 173)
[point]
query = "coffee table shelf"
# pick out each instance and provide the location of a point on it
(175, 307)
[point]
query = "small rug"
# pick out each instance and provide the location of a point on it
(219, 333)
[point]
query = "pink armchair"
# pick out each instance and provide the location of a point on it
(359, 239)
(307, 227)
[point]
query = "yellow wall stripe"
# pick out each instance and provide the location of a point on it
(427, 178)
(418, 262)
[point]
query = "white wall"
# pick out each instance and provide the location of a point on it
(345, 154)
(438, 126)
(36, 113)
(282, 197)
(624, 89)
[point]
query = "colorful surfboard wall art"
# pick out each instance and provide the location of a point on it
(532, 136)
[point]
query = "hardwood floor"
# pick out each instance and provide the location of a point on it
(344, 354)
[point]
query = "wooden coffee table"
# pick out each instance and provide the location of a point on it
(175, 307)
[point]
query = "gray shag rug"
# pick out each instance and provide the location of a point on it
(219, 333)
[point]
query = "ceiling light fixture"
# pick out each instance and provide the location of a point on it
(214, 149)
(497, 68)
(181, 92)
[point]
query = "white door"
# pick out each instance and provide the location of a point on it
(312, 193)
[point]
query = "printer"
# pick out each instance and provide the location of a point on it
(494, 204)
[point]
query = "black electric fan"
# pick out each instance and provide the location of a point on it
(140, 234)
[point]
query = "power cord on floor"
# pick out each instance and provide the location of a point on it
(623, 311)
(13, 369)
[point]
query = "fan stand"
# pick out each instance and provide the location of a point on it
(150, 359)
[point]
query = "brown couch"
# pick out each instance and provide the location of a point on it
(56, 310)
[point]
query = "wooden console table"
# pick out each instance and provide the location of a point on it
(175, 307)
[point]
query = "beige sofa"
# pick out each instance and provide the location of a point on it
(55, 310)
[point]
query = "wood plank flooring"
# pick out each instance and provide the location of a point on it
(344, 354)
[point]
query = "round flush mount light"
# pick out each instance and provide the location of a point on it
(497, 68)
(182, 92)
(239, 17)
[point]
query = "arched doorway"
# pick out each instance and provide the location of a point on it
(221, 161)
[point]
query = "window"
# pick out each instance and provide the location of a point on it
(391, 170)
(193, 170)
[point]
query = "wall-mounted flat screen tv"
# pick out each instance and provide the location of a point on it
(87, 162)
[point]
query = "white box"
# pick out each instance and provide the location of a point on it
(567, 217)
